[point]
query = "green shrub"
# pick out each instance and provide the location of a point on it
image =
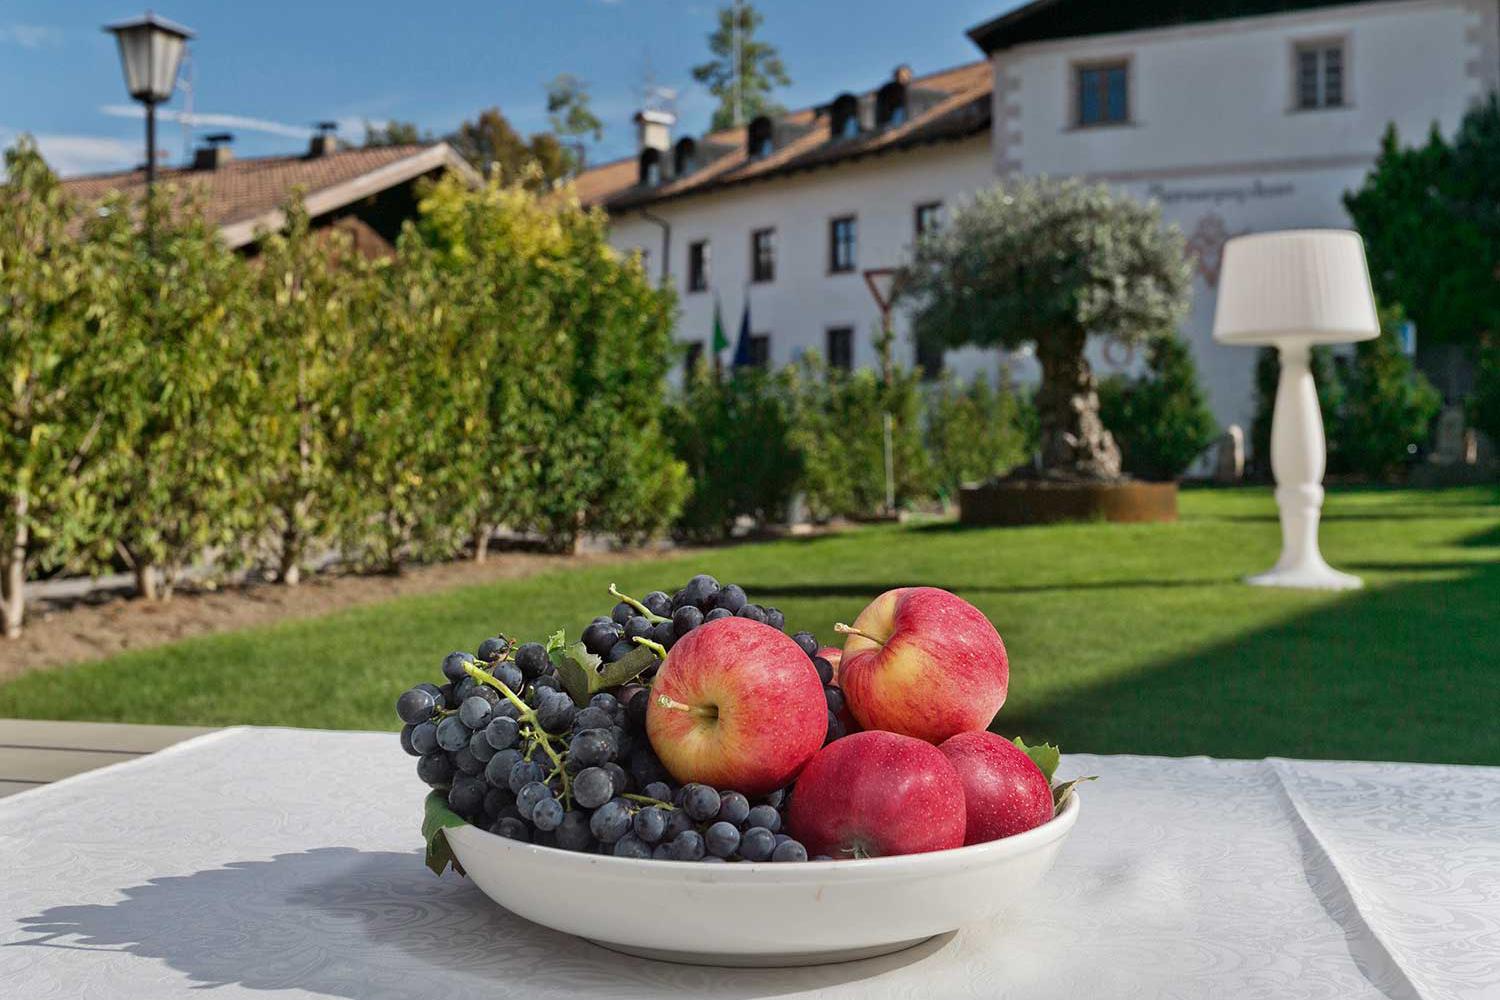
(1388, 405)
(404, 495)
(976, 432)
(176, 300)
(566, 346)
(735, 438)
(839, 426)
(1160, 419)
(1484, 405)
(305, 354)
(58, 364)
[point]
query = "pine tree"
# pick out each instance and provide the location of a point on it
(760, 68)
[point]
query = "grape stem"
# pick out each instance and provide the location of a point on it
(647, 613)
(655, 647)
(648, 800)
(528, 715)
(709, 712)
(843, 629)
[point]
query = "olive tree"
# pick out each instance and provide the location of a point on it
(1050, 263)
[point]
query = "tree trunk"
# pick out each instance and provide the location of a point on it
(1074, 441)
(289, 566)
(482, 542)
(13, 580)
(145, 580)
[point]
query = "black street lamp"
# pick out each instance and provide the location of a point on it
(150, 53)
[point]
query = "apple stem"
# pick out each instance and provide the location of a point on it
(655, 647)
(647, 613)
(677, 706)
(843, 629)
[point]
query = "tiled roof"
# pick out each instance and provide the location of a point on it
(964, 110)
(243, 194)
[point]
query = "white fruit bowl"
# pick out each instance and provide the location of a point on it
(762, 914)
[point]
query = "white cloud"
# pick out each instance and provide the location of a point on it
(29, 36)
(80, 154)
(211, 119)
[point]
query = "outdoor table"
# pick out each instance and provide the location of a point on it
(266, 862)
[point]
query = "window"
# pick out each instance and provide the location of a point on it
(692, 358)
(700, 262)
(760, 350)
(763, 255)
(760, 140)
(685, 157)
(890, 105)
(841, 244)
(929, 218)
(1320, 75)
(844, 122)
(1104, 94)
(841, 347)
(650, 167)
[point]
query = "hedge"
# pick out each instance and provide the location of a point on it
(165, 399)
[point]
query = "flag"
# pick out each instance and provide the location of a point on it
(721, 340)
(742, 355)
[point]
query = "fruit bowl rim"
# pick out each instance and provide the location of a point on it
(781, 871)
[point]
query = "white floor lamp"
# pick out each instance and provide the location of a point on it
(1293, 290)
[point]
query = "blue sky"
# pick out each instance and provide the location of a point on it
(287, 63)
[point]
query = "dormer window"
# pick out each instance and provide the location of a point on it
(760, 140)
(890, 105)
(844, 117)
(650, 167)
(685, 157)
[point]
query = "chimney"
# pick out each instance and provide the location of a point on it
(325, 140)
(653, 130)
(216, 153)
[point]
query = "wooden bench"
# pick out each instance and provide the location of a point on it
(34, 752)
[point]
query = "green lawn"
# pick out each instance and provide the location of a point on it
(1122, 638)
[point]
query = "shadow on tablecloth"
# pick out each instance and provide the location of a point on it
(370, 925)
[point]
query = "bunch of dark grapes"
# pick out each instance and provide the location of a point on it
(516, 756)
(701, 601)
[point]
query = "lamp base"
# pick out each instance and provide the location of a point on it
(1314, 574)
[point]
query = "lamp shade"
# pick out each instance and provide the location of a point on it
(1311, 285)
(150, 52)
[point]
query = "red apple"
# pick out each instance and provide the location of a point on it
(737, 704)
(923, 662)
(1005, 792)
(873, 794)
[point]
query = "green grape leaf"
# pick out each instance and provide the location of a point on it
(1046, 756)
(1061, 792)
(627, 668)
(557, 640)
(578, 669)
(437, 817)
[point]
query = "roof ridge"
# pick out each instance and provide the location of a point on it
(269, 159)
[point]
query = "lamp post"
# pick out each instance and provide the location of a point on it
(150, 53)
(1293, 290)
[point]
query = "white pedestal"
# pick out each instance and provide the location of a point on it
(1299, 455)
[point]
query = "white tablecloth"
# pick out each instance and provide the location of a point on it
(286, 863)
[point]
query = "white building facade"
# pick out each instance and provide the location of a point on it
(1260, 118)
